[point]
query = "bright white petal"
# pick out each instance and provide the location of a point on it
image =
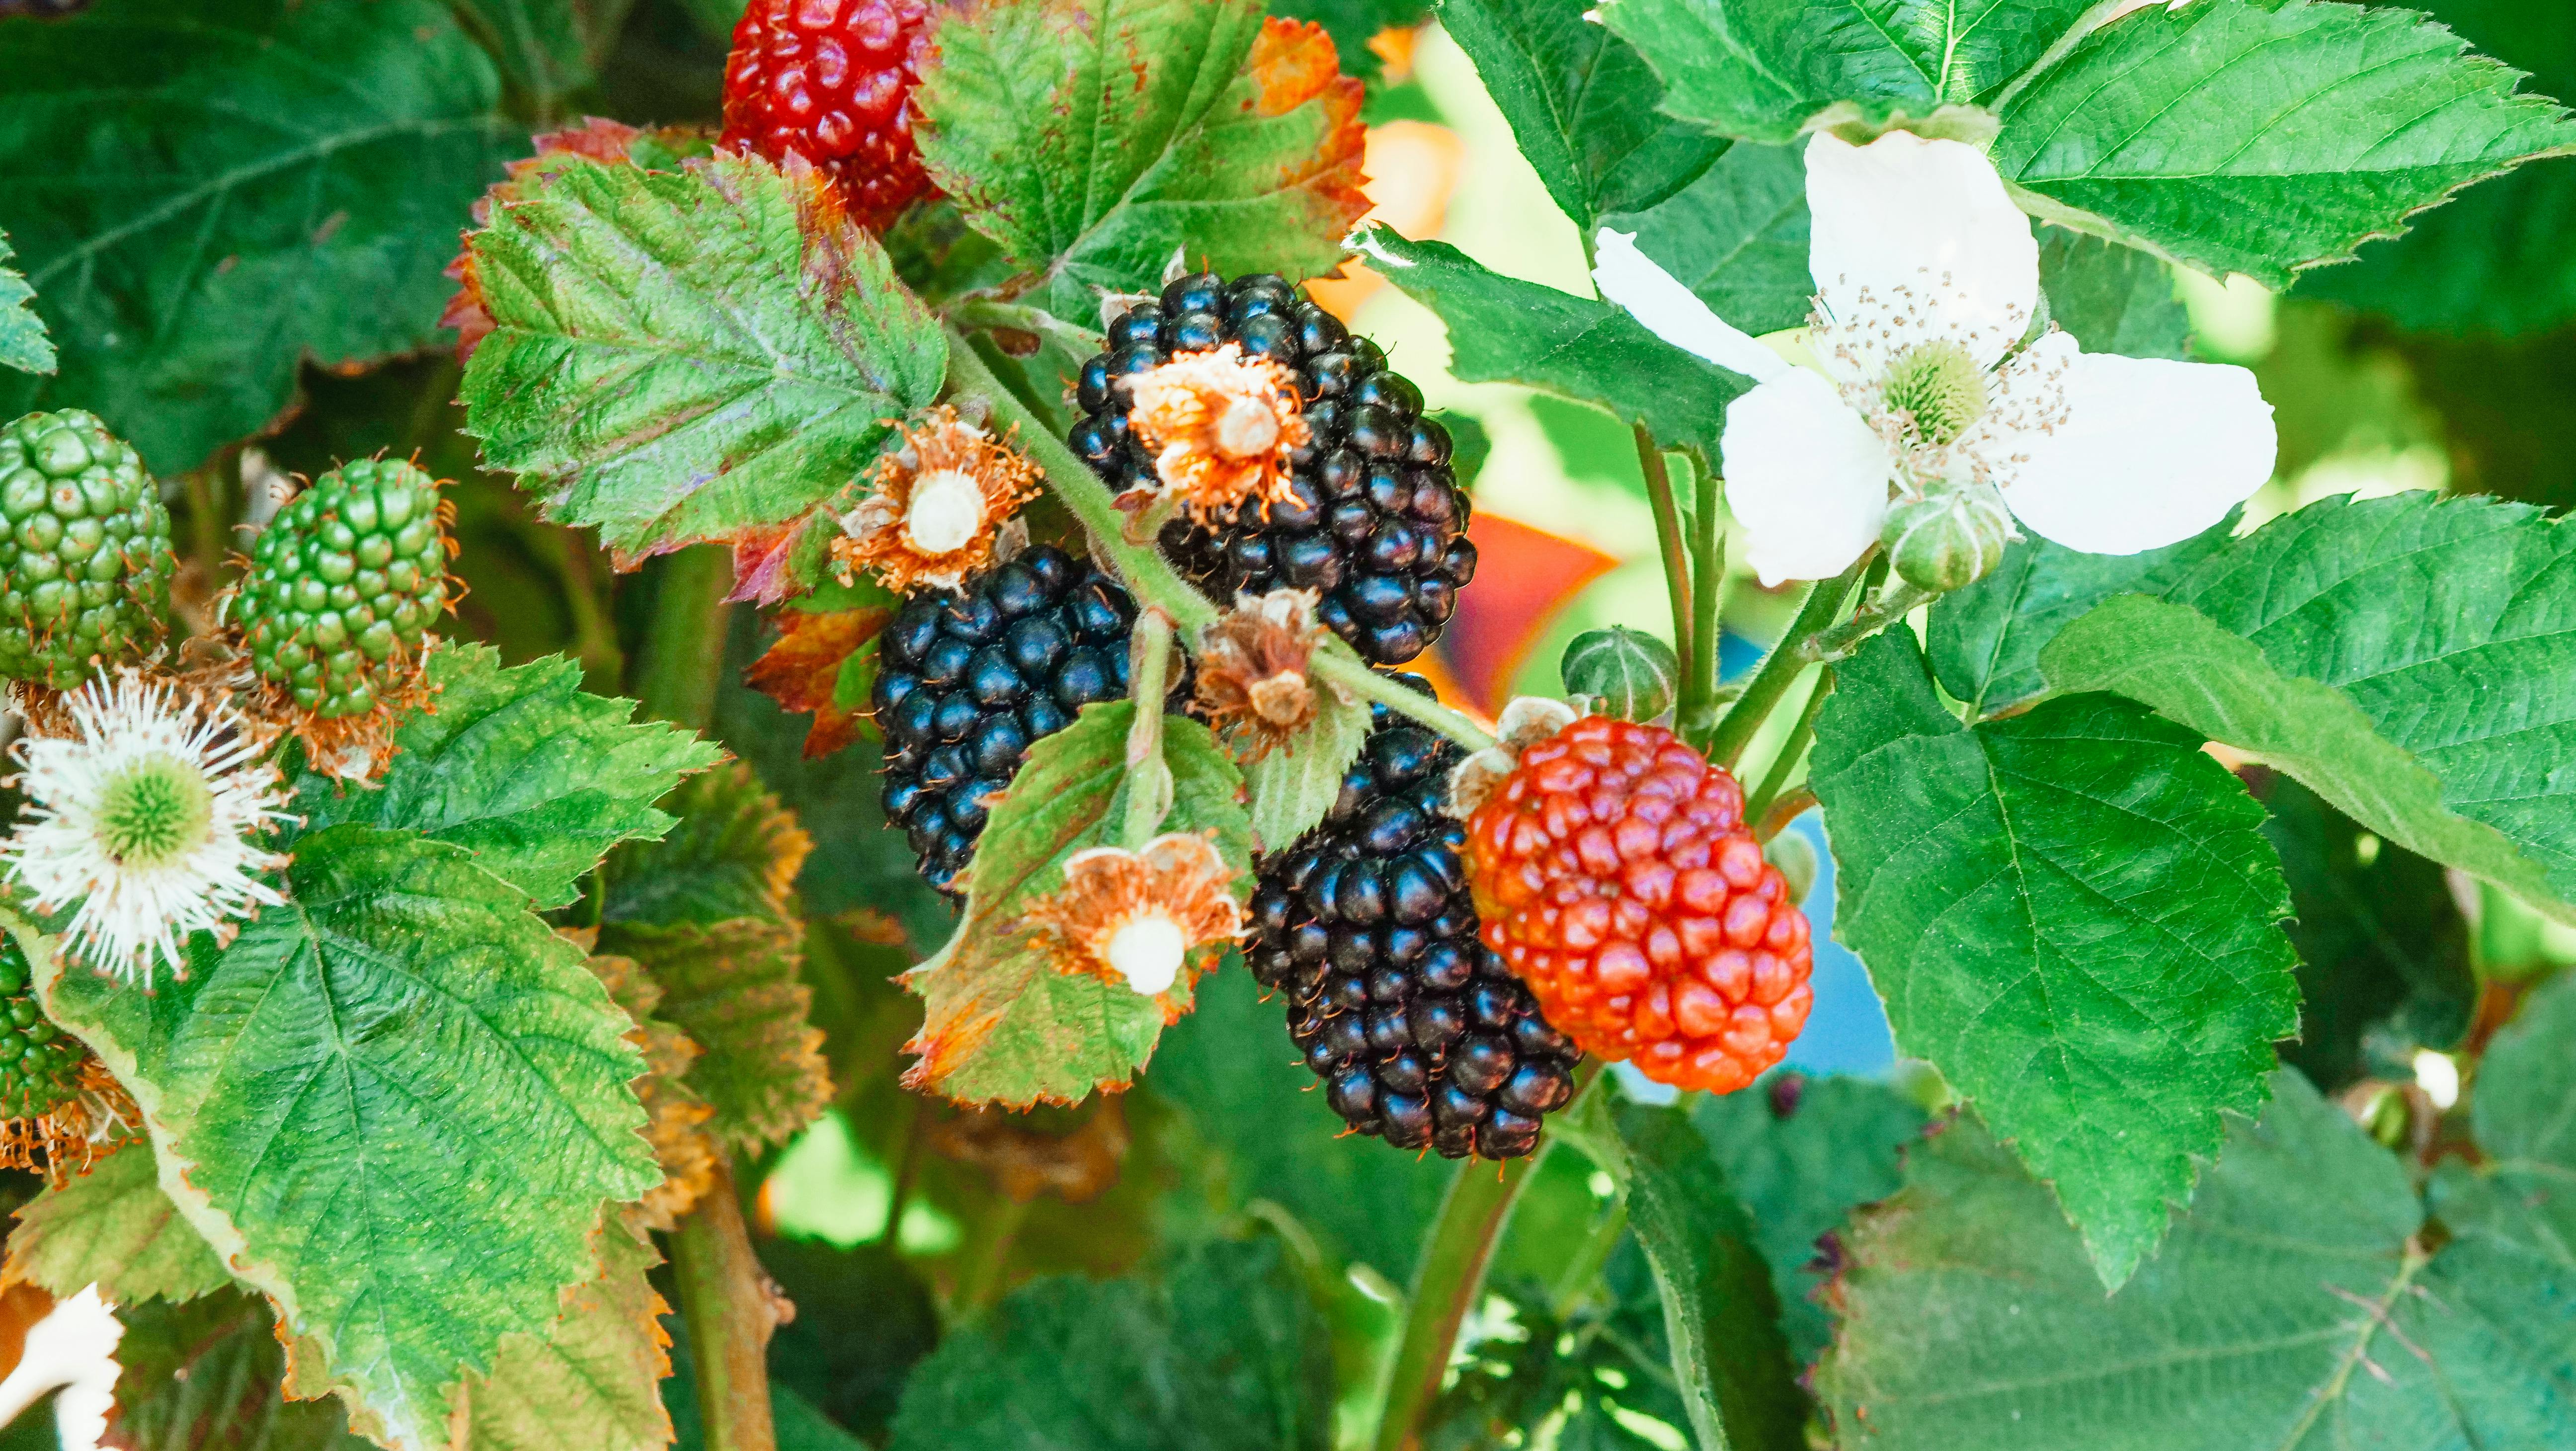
(2152, 452)
(1805, 476)
(1673, 312)
(73, 1347)
(1929, 217)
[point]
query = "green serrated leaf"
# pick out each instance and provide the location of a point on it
(735, 988)
(396, 1105)
(112, 1226)
(2265, 138)
(1294, 786)
(593, 1378)
(23, 344)
(1720, 1317)
(1766, 70)
(2406, 658)
(1801, 1172)
(2114, 299)
(207, 1376)
(1504, 330)
(1984, 641)
(2073, 914)
(235, 186)
(2383, 950)
(520, 766)
(682, 356)
(733, 852)
(1581, 102)
(1226, 1351)
(1094, 138)
(1001, 1022)
(2292, 1309)
(1737, 236)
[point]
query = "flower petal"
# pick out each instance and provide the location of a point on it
(1673, 312)
(2151, 453)
(1930, 218)
(1806, 477)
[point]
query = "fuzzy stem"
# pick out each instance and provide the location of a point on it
(1674, 549)
(1149, 780)
(1347, 672)
(725, 1302)
(1448, 1276)
(1779, 669)
(1148, 575)
(1791, 805)
(1696, 715)
(1776, 780)
(985, 312)
(1896, 599)
(684, 646)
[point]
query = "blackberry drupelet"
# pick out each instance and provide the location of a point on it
(343, 587)
(968, 680)
(832, 81)
(1420, 1033)
(1377, 523)
(39, 1064)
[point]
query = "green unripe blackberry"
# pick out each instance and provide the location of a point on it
(39, 1063)
(343, 587)
(85, 559)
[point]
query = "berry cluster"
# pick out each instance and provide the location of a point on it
(832, 81)
(1420, 1033)
(1616, 877)
(343, 586)
(85, 559)
(39, 1066)
(1375, 520)
(968, 680)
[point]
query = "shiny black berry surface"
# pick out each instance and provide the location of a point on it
(1421, 1035)
(968, 680)
(1378, 523)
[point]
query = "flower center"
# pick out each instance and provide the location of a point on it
(1249, 427)
(154, 812)
(1940, 387)
(1147, 952)
(946, 512)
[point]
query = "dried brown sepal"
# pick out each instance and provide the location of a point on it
(63, 1142)
(1252, 678)
(1024, 1159)
(1148, 920)
(1221, 427)
(939, 503)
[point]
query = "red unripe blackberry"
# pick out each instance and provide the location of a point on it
(1616, 876)
(1420, 1033)
(968, 680)
(1376, 521)
(832, 81)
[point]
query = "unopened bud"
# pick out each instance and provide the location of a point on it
(1634, 675)
(1949, 540)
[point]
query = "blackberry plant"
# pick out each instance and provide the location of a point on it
(1375, 520)
(342, 589)
(85, 558)
(1421, 1034)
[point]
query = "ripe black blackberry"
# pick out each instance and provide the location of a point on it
(1420, 1033)
(969, 679)
(1378, 523)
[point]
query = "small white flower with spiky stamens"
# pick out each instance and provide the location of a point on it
(1930, 390)
(144, 810)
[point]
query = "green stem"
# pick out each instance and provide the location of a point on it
(725, 1302)
(985, 312)
(1445, 1282)
(1896, 599)
(1148, 575)
(1779, 669)
(980, 1277)
(1149, 780)
(1675, 552)
(1347, 672)
(1696, 716)
(1582, 1273)
(1776, 780)
(684, 647)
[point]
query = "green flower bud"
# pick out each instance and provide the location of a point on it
(1633, 674)
(1948, 540)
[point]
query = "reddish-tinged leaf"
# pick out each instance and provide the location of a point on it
(802, 671)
